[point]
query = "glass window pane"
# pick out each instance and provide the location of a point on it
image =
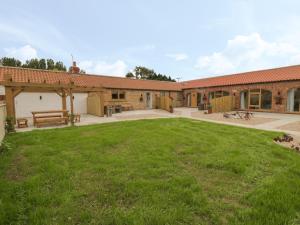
(122, 94)
(297, 100)
(254, 90)
(114, 94)
(266, 99)
(254, 99)
(225, 93)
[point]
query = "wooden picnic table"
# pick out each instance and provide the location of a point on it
(245, 114)
(50, 117)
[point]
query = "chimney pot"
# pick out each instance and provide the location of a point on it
(74, 68)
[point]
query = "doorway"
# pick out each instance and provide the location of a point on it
(244, 100)
(188, 100)
(293, 101)
(148, 100)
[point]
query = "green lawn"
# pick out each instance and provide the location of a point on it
(164, 171)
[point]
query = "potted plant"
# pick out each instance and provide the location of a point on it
(278, 99)
(171, 109)
(141, 98)
(209, 109)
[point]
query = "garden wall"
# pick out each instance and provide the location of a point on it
(2, 120)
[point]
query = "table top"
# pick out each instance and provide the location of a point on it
(50, 111)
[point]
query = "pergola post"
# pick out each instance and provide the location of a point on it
(10, 102)
(71, 102)
(64, 100)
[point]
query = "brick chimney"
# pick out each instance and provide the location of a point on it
(74, 68)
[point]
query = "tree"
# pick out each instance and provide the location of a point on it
(60, 66)
(6, 61)
(129, 75)
(141, 72)
(42, 64)
(50, 64)
(32, 63)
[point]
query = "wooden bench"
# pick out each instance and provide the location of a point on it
(127, 107)
(52, 117)
(22, 122)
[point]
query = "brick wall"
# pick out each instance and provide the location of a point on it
(137, 99)
(275, 88)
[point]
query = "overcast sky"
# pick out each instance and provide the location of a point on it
(188, 39)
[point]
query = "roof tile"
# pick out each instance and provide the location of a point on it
(262, 76)
(85, 80)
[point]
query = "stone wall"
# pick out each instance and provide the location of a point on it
(277, 88)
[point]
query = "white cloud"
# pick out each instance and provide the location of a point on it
(117, 68)
(22, 53)
(250, 52)
(178, 56)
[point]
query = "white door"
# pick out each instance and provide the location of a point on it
(79, 103)
(188, 100)
(148, 100)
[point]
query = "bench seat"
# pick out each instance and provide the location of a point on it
(50, 121)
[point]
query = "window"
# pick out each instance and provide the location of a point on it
(254, 101)
(115, 94)
(266, 99)
(218, 94)
(122, 94)
(199, 99)
(260, 99)
(225, 93)
(293, 101)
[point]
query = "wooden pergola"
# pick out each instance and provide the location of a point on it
(63, 89)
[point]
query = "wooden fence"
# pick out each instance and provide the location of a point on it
(165, 103)
(95, 104)
(223, 104)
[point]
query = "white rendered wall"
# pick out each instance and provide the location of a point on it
(26, 102)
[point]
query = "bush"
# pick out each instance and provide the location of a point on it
(5, 146)
(10, 124)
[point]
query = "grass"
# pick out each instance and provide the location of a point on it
(163, 171)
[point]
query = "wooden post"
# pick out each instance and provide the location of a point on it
(10, 102)
(71, 105)
(100, 94)
(64, 101)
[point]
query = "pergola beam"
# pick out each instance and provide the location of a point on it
(12, 89)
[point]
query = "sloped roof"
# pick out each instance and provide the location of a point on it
(288, 73)
(84, 80)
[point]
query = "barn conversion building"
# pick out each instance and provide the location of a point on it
(27, 90)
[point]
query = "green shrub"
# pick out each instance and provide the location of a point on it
(5, 146)
(10, 124)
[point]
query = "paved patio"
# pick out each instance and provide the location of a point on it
(288, 123)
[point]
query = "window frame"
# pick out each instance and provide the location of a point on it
(118, 95)
(258, 92)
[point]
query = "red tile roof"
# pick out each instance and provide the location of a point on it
(288, 73)
(84, 80)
